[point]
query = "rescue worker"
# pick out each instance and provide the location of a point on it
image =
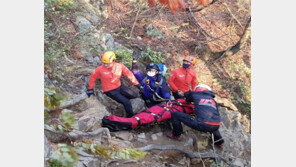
(181, 78)
(154, 88)
(206, 111)
(110, 73)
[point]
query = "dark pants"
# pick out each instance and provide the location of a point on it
(123, 95)
(178, 117)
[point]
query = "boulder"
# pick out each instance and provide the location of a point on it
(83, 24)
(109, 41)
(48, 148)
(138, 105)
(124, 135)
(142, 136)
(87, 162)
(154, 137)
(235, 133)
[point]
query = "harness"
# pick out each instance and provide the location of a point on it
(158, 83)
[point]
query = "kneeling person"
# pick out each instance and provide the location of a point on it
(207, 115)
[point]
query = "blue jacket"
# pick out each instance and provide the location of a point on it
(162, 90)
(206, 108)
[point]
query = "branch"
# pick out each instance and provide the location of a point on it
(74, 101)
(233, 15)
(173, 147)
(213, 146)
(76, 134)
(199, 26)
(234, 49)
(84, 154)
(135, 22)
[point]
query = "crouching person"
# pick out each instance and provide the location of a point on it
(206, 111)
(110, 73)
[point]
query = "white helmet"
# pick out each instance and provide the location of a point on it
(203, 86)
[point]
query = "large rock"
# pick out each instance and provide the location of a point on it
(93, 115)
(93, 10)
(83, 24)
(48, 148)
(237, 139)
(138, 105)
(109, 41)
(124, 135)
(88, 123)
(87, 162)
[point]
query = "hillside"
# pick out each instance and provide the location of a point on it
(77, 32)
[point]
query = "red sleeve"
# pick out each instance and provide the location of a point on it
(129, 75)
(171, 81)
(92, 78)
(193, 82)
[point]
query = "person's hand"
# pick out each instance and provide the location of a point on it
(90, 92)
(180, 93)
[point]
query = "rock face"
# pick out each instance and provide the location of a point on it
(90, 119)
(234, 130)
(83, 24)
(138, 105)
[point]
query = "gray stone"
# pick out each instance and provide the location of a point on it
(142, 135)
(109, 41)
(87, 162)
(142, 140)
(238, 162)
(48, 148)
(154, 137)
(93, 124)
(89, 58)
(82, 125)
(182, 161)
(130, 138)
(235, 134)
(123, 135)
(189, 143)
(159, 134)
(47, 81)
(88, 123)
(97, 61)
(138, 105)
(120, 143)
(83, 24)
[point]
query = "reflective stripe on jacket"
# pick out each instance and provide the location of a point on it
(181, 78)
(110, 77)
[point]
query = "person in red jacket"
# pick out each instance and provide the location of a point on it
(181, 78)
(110, 73)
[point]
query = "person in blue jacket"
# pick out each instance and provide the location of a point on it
(206, 111)
(154, 88)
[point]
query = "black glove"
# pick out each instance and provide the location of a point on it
(90, 92)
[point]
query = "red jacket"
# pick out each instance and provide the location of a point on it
(181, 78)
(110, 77)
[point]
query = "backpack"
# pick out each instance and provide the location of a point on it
(163, 69)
